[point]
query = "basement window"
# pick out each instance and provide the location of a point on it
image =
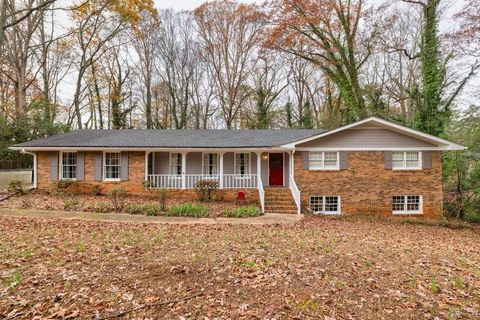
(325, 204)
(407, 204)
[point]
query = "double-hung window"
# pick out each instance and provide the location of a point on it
(242, 163)
(325, 204)
(176, 164)
(112, 166)
(406, 160)
(68, 165)
(210, 164)
(324, 160)
(407, 204)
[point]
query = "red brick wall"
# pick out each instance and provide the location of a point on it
(367, 187)
(134, 184)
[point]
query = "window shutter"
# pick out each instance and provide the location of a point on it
(54, 165)
(343, 160)
(388, 159)
(426, 160)
(124, 166)
(80, 166)
(98, 166)
(305, 159)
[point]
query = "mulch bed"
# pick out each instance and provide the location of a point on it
(41, 200)
(320, 268)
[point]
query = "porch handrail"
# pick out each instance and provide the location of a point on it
(230, 181)
(261, 192)
(295, 192)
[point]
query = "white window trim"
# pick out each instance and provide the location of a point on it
(338, 212)
(173, 175)
(420, 211)
(337, 167)
(238, 175)
(208, 176)
(60, 166)
(105, 163)
(404, 168)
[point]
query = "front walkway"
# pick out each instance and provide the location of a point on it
(269, 218)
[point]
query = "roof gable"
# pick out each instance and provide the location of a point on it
(391, 136)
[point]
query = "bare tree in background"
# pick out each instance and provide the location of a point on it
(229, 34)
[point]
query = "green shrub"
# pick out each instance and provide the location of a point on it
(146, 209)
(205, 189)
(188, 210)
(162, 196)
(472, 217)
(117, 196)
(103, 207)
(242, 212)
(16, 187)
(70, 204)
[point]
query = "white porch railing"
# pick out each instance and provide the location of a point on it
(230, 181)
(261, 193)
(295, 192)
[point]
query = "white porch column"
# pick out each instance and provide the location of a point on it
(146, 165)
(259, 167)
(184, 170)
(221, 170)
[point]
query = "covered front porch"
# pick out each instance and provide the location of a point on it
(239, 169)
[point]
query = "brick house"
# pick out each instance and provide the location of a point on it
(370, 166)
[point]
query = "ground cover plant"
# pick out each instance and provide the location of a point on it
(242, 212)
(320, 268)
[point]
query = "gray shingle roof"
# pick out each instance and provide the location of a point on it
(172, 138)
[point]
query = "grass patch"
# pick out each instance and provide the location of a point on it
(242, 212)
(188, 210)
(144, 209)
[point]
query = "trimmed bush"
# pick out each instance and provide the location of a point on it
(242, 212)
(63, 186)
(117, 196)
(144, 209)
(16, 187)
(205, 189)
(188, 210)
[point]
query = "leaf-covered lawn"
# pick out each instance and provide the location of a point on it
(332, 268)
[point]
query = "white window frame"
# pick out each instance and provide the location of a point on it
(245, 175)
(119, 166)
(322, 167)
(61, 165)
(170, 164)
(406, 211)
(205, 175)
(339, 209)
(404, 167)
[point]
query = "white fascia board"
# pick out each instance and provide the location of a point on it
(263, 149)
(442, 148)
(446, 145)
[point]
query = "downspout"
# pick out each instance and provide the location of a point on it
(34, 167)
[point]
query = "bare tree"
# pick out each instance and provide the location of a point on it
(229, 35)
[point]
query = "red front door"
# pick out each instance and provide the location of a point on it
(275, 163)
